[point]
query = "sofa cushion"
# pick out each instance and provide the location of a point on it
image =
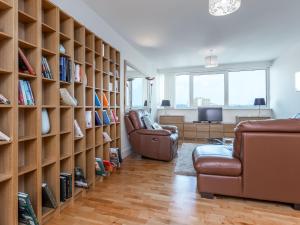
(216, 160)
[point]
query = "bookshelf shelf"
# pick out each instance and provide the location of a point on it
(25, 17)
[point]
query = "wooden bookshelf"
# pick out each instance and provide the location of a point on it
(31, 158)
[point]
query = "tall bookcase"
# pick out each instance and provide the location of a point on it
(38, 28)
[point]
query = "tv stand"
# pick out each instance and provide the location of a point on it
(207, 132)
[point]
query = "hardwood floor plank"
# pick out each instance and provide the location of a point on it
(146, 192)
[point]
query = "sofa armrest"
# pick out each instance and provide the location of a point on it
(154, 132)
(171, 128)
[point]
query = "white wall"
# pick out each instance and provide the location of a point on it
(285, 101)
(86, 16)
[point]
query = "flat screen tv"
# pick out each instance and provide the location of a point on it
(210, 114)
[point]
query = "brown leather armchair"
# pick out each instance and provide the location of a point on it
(264, 163)
(156, 144)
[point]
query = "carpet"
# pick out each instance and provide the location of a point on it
(184, 162)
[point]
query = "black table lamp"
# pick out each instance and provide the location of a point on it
(259, 102)
(165, 103)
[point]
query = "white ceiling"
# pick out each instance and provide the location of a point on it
(174, 33)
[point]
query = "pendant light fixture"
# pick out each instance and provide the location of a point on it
(211, 61)
(223, 7)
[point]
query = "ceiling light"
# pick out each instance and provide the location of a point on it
(211, 61)
(223, 7)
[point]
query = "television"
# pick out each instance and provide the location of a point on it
(210, 114)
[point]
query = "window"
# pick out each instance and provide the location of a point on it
(137, 90)
(208, 90)
(182, 91)
(245, 86)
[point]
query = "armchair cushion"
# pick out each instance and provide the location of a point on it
(216, 160)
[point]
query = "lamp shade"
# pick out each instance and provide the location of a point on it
(165, 103)
(259, 101)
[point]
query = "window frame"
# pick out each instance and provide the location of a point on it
(226, 88)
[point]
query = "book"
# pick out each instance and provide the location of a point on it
(29, 92)
(25, 93)
(105, 116)
(116, 86)
(48, 199)
(99, 167)
(80, 180)
(65, 69)
(103, 50)
(77, 130)
(77, 73)
(108, 166)
(88, 119)
(26, 213)
(116, 118)
(114, 157)
(105, 101)
(24, 65)
(62, 49)
(98, 120)
(112, 117)
(66, 97)
(116, 73)
(106, 137)
(63, 188)
(4, 137)
(97, 101)
(46, 71)
(68, 187)
(4, 100)
(110, 86)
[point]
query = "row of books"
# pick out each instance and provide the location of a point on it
(98, 102)
(46, 71)
(105, 167)
(25, 93)
(66, 190)
(108, 118)
(65, 69)
(26, 214)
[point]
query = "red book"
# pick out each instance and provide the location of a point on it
(26, 62)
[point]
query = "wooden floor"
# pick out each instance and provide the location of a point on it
(147, 192)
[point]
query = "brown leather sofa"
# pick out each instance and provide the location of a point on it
(155, 144)
(264, 163)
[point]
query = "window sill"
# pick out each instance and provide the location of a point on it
(224, 108)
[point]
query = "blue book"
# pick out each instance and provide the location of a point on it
(98, 120)
(61, 68)
(106, 119)
(97, 101)
(30, 91)
(27, 92)
(64, 69)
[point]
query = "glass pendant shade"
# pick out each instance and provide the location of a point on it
(223, 7)
(211, 61)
